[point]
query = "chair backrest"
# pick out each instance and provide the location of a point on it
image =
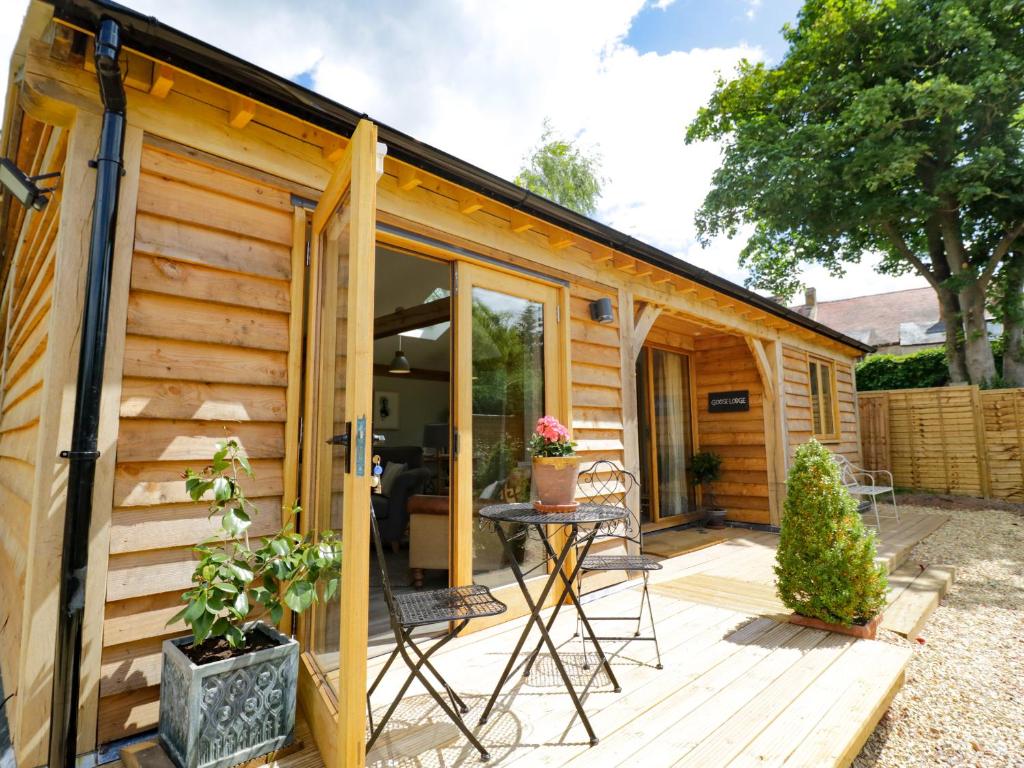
(382, 564)
(604, 482)
(846, 469)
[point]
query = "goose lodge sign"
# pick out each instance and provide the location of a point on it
(727, 402)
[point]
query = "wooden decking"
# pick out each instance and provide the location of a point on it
(738, 688)
(735, 690)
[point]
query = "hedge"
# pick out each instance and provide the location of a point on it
(926, 368)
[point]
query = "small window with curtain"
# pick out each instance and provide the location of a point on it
(823, 401)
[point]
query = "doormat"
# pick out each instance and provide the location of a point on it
(675, 543)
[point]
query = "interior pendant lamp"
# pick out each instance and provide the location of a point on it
(399, 363)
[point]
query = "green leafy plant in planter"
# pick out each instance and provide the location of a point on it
(228, 693)
(235, 583)
(825, 563)
(705, 469)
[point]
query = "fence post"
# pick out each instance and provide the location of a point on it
(980, 442)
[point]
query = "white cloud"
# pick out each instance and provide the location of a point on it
(477, 79)
(752, 8)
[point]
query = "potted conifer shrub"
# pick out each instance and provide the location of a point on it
(227, 692)
(556, 467)
(705, 469)
(825, 563)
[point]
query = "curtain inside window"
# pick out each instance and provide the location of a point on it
(672, 426)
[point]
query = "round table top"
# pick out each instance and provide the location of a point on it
(524, 512)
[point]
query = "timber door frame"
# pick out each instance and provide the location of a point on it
(557, 401)
(646, 359)
(337, 720)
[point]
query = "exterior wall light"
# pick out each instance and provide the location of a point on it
(601, 310)
(24, 187)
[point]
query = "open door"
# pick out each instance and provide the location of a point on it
(336, 466)
(510, 371)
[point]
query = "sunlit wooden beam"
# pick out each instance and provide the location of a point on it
(333, 150)
(163, 81)
(559, 240)
(470, 203)
(408, 178)
(520, 222)
(240, 110)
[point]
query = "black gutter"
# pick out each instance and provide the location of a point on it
(159, 41)
(83, 453)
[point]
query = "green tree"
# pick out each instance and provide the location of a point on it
(562, 172)
(893, 126)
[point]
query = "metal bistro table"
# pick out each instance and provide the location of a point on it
(594, 516)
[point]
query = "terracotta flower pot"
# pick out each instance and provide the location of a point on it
(555, 479)
(864, 631)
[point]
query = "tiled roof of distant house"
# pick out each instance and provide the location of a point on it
(908, 317)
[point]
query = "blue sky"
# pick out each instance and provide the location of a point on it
(686, 24)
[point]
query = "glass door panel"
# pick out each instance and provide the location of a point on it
(336, 467)
(507, 380)
(509, 373)
(666, 436)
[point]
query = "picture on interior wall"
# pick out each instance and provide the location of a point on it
(385, 410)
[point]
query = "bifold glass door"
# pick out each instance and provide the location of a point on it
(666, 436)
(337, 436)
(509, 371)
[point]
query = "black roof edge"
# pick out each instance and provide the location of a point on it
(155, 39)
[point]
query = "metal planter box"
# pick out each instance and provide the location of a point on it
(230, 711)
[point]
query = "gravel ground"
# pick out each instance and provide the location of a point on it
(963, 701)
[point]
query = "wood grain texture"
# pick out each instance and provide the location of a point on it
(206, 359)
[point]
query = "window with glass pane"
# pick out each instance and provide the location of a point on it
(508, 398)
(822, 399)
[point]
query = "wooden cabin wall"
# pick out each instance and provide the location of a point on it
(724, 363)
(799, 425)
(25, 314)
(206, 359)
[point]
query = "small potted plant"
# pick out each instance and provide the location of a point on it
(556, 467)
(705, 469)
(825, 563)
(227, 692)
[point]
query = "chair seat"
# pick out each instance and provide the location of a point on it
(620, 563)
(868, 490)
(416, 609)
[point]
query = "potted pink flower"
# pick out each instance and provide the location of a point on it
(556, 467)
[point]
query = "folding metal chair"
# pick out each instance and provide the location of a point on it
(605, 483)
(407, 611)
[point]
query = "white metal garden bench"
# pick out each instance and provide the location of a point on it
(863, 482)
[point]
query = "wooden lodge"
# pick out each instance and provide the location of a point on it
(274, 251)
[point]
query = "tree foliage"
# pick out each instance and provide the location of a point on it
(563, 173)
(891, 126)
(825, 563)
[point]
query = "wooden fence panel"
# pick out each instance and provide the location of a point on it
(957, 440)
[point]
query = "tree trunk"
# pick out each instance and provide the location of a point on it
(949, 311)
(1013, 320)
(981, 364)
(949, 302)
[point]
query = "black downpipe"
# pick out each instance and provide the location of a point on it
(82, 455)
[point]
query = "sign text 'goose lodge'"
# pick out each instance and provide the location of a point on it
(726, 402)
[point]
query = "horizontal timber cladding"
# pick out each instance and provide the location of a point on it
(205, 360)
(725, 363)
(957, 440)
(797, 395)
(25, 313)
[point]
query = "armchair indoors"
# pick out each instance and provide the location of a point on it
(391, 507)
